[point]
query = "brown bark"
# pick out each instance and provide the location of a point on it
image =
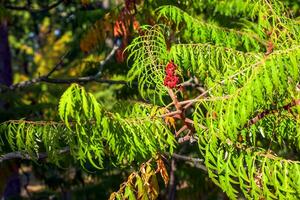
(172, 183)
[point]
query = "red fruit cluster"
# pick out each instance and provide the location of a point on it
(171, 79)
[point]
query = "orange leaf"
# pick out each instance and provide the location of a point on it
(162, 169)
(136, 25)
(170, 121)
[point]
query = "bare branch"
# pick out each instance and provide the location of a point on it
(184, 139)
(24, 156)
(171, 113)
(195, 162)
(58, 65)
(183, 128)
(186, 158)
(84, 79)
(108, 57)
(267, 112)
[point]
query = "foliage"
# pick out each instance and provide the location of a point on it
(90, 131)
(241, 84)
(142, 184)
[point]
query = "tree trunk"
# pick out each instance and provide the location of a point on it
(172, 183)
(9, 176)
(5, 55)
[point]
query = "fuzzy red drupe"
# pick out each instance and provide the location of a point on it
(171, 79)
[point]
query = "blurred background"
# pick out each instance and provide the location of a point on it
(36, 36)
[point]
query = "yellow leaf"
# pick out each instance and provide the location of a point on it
(170, 121)
(141, 191)
(153, 187)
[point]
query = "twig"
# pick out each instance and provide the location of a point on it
(108, 57)
(198, 97)
(188, 124)
(171, 113)
(186, 83)
(204, 93)
(183, 128)
(205, 99)
(174, 99)
(84, 79)
(267, 112)
(58, 65)
(186, 158)
(194, 162)
(184, 139)
(61, 81)
(24, 156)
(189, 121)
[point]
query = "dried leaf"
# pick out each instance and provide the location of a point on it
(162, 169)
(153, 187)
(141, 190)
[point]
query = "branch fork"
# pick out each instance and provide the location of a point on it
(179, 114)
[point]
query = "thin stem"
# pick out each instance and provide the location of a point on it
(183, 128)
(108, 57)
(267, 112)
(174, 99)
(171, 113)
(194, 162)
(58, 65)
(84, 79)
(186, 158)
(24, 156)
(206, 99)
